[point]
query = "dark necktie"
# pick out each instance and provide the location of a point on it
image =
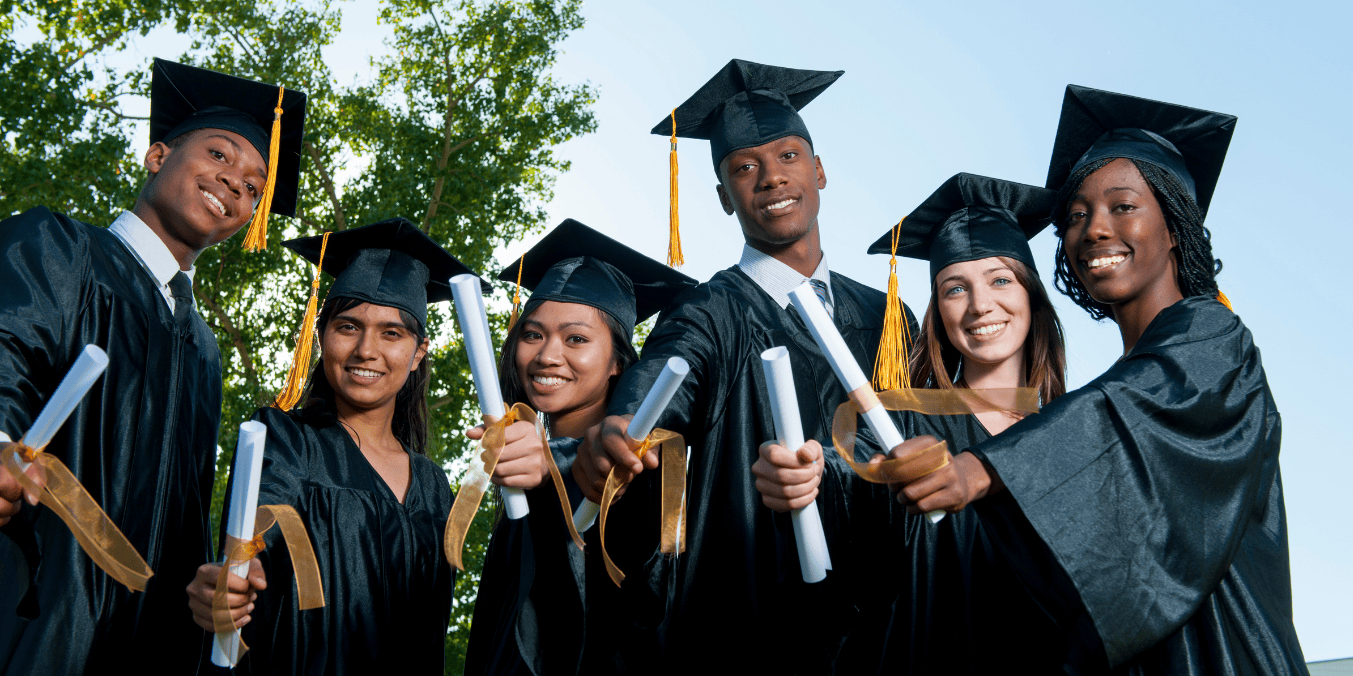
(820, 288)
(181, 290)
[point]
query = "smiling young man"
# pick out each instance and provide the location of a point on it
(143, 442)
(729, 598)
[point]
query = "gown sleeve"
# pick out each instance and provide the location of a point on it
(1144, 482)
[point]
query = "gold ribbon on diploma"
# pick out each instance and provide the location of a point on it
(919, 459)
(673, 461)
(309, 588)
(62, 493)
(477, 479)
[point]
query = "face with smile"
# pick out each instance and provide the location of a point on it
(368, 354)
(203, 191)
(985, 310)
(565, 358)
(773, 189)
(1117, 241)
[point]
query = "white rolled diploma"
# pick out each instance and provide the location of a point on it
(844, 365)
(474, 329)
(645, 419)
(814, 560)
(73, 388)
(225, 650)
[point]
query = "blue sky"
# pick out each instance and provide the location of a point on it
(931, 89)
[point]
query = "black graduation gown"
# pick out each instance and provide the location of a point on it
(959, 608)
(387, 585)
(143, 443)
(529, 614)
(736, 600)
(1156, 491)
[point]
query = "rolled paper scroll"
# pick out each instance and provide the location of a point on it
(814, 559)
(225, 651)
(58, 489)
(474, 329)
(645, 419)
(847, 370)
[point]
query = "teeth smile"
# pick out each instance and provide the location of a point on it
(215, 202)
(364, 373)
(781, 204)
(1104, 261)
(988, 329)
(548, 380)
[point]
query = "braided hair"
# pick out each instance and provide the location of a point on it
(1197, 268)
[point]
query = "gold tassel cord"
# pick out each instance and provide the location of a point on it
(674, 257)
(305, 338)
(257, 238)
(891, 368)
(1221, 298)
(516, 295)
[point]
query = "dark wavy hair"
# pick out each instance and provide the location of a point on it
(410, 424)
(1197, 268)
(622, 352)
(936, 363)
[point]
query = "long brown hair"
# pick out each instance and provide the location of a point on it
(935, 363)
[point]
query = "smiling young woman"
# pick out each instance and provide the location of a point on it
(352, 462)
(562, 357)
(1144, 511)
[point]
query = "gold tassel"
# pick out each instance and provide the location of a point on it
(300, 361)
(516, 295)
(674, 257)
(1221, 297)
(257, 239)
(891, 368)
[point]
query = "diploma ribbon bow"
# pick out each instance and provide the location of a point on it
(309, 588)
(919, 460)
(62, 493)
(477, 479)
(673, 448)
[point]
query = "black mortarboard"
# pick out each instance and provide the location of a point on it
(387, 263)
(972, 217)
(747, 104)
(1188, 143)
(576, 264)
(184, 99)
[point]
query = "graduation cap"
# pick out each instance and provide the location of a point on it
(576, 264)
(1188, 143)
(968, 218)
(744, 105)
(389, 263)
(185, 99)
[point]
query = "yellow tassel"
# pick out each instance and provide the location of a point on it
(674, 257)
(1221, 297)
(891, 368)
(257, 239)
(516, 295)
(300, 361)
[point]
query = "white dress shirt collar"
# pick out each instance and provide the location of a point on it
(150, 250)
(778, 279)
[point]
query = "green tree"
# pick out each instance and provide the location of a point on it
(455, 131)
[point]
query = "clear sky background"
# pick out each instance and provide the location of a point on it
(935, 88)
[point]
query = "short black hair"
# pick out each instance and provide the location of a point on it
(1197, 268)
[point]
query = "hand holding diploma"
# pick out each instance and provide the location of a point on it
(45, 477)
(782, 477)
(848, 372)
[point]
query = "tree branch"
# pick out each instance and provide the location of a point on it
(96, 47)
(235, 338)
(440, 403)
(452, 101)
(239, 39)
(340, 222)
